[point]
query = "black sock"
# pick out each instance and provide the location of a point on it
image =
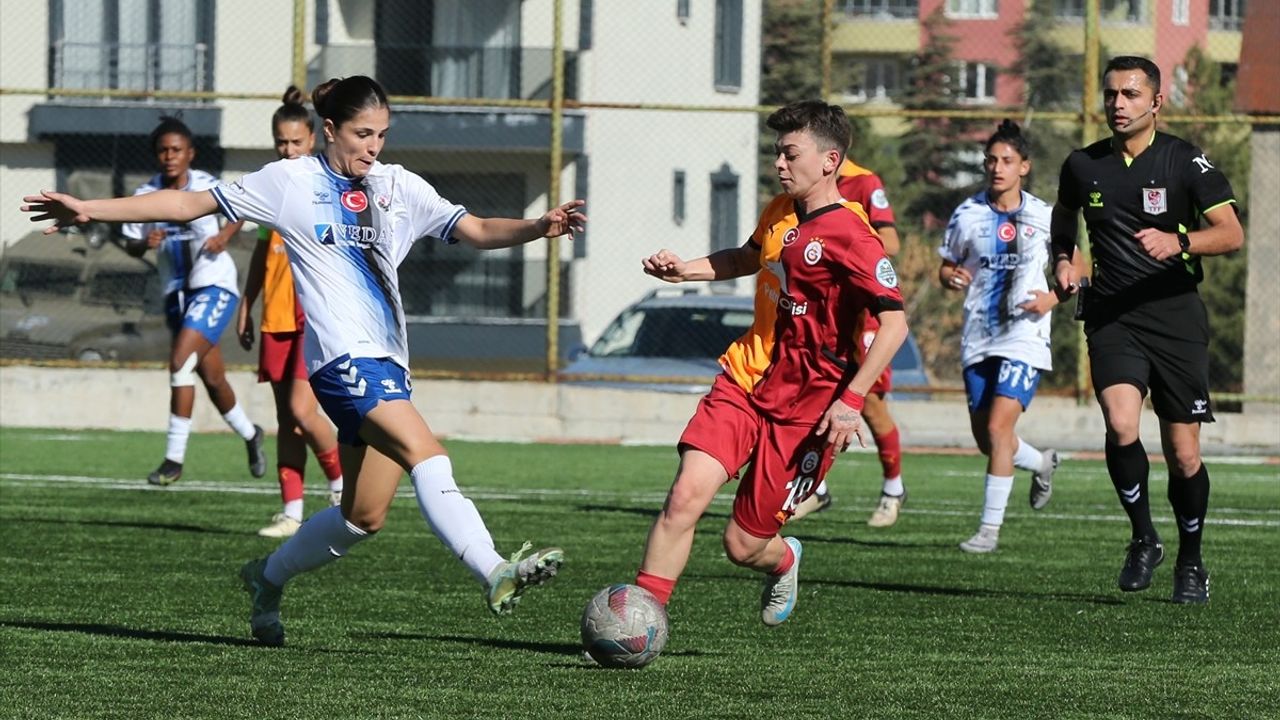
(1129, 467)
(1190, 500)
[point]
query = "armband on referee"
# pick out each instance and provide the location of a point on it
(853, 399)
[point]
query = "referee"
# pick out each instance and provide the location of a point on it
(1153, 204)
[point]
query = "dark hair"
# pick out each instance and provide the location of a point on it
(292, 110)
(1135, 62)
(1008, 132)
(340, 100)
(171, 125)
(827, 123)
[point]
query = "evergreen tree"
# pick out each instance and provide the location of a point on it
(790, 70)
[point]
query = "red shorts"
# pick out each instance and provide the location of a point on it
(280, 357)
(786, 461)
(884, 383)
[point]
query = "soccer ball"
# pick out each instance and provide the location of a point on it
(624, 626)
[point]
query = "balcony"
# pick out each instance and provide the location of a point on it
(879, 9)
(145, 67)
(511, 73)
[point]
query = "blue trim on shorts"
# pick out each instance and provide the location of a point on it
(986, 379)
(350, 388)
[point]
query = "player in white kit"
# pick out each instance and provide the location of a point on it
(199, 285)
(995, 250)
(347, 221)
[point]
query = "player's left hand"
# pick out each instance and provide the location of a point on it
(1040, 302)
(841, 424)
(1159, 245)
(217, 243)
(64, 210)
(564, 220)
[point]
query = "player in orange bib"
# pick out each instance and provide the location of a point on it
(794, 385)
(860, 185)
(280, 358)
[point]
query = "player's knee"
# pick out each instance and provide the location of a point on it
(739, 547)
(183, 375)
(370, 521)
(1185, 460)
(686, 501)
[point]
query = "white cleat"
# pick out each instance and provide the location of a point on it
(513, 577)
(282, 526)
(780, 591)
(1042, 480)
(886, 513)
(983, 541)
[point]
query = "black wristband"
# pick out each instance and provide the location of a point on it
(1184, 242)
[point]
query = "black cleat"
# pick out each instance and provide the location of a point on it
(1190, 584)
(257, 458)
(167, 474)
(1144, 555)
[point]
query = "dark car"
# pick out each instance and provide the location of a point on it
(672, 341)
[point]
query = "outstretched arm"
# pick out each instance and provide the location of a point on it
(160, 206)
(720, 265)
(493, 233)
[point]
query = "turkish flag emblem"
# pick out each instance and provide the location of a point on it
(355, 201)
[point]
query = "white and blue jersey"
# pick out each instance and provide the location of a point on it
(1006, 254)
(181, 258)
(345, 238)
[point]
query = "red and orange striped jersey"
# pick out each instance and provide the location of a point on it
(280, 311)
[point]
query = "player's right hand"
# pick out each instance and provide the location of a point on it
(1068, 283)
(960, 279)
(664, 265)
(64, 210)
(155, 238)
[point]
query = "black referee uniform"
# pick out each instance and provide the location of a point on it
(1145, 322)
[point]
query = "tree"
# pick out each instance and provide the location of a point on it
(790, 70)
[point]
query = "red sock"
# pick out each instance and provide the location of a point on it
(788, 559)
(330, 463)
(890, 453)
(290, 483)
(660, 587)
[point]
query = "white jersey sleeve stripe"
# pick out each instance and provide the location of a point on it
(447, 235)
(224, 206)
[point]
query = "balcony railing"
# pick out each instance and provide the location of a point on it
(1226, 22)
(514, 73)
(880, 9)
(129, 66)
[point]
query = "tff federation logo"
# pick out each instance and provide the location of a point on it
(1007, 232)
(355, 201)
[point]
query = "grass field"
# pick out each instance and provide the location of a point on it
(120, 601)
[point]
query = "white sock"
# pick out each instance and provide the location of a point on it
(452, 517)
(822, 488)
(893, 486)
(179, 431)
(293, 509)
(335, 485)
(997, 499)
(325, 537)
(1026, 457)
(240, 422)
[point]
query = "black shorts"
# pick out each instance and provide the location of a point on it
(1162, 346)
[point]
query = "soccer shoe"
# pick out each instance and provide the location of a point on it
(1042, 480)
(257, 458)
(780, 591)
(282, 526)
(983, 541)
(509, 581)
(1141, 559)
(335, 498)
(167, 474)
(815, 503)
(1190, 584)
(264, 617)
(886, 513)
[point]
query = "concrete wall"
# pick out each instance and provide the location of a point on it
(138, 400)
(1262, 322)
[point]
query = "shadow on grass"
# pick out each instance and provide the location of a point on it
(643, 512)
(872, 543)
(139, 525)
(571, 649)
(131, 633)
(969, 592)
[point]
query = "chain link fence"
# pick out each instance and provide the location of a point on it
(653, 112)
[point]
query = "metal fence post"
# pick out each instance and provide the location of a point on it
(553, 189)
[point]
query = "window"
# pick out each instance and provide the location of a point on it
(971, 8)
(1110, 11)
(1181, 12)
(724, 209)
(1226, 14)
(677, 197)
(874, 79)
(728, 45)
(881, 9)
(682, 11)
(142, 45)
(586, 11)
(976, 83)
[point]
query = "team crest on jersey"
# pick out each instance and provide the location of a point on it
(790, 236)
(1155, 200)
(1007, 231)
(885, 273)
(1028, 232)
(879, 200)
(383, 201)
(355, 201)
(810, 462)
(813, 252)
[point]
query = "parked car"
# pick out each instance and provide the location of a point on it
(672, 341)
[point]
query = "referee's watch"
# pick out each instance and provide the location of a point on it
(1184, 242)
